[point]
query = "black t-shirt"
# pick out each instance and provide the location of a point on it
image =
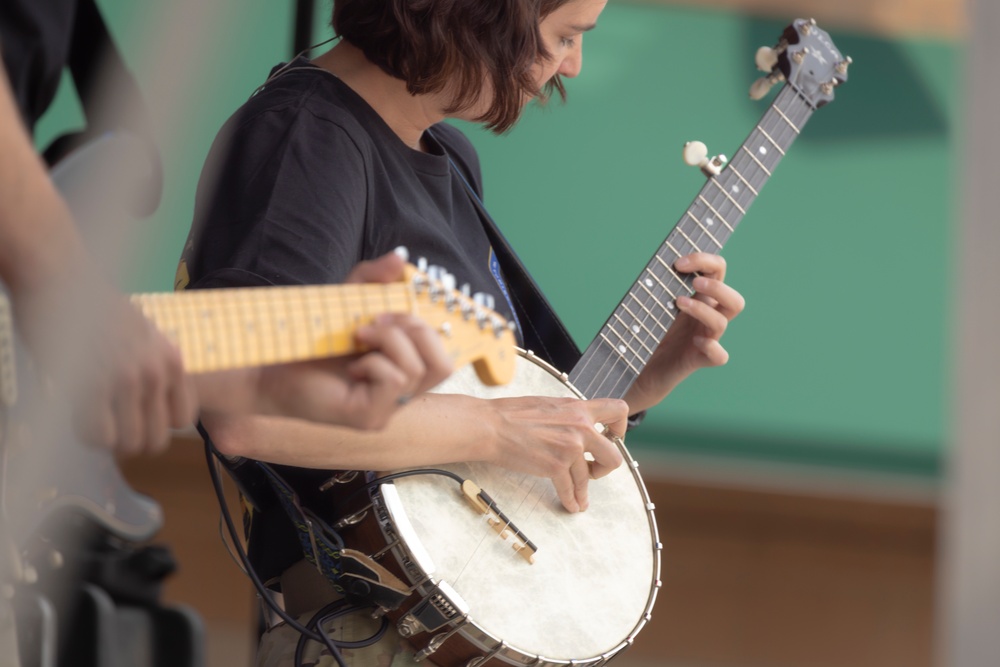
(302, 183)
(35, 38)
(306, 180)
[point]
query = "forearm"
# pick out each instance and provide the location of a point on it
(37, 236)
(432, 429)
(642, 397)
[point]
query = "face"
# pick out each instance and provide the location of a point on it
(562, 31)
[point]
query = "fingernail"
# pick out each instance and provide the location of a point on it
(700, 283)
(683, 302)
(682, 263)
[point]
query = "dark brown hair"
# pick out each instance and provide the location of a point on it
(436, 44)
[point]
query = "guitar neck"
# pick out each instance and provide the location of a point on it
(220, 329)
(613, 361)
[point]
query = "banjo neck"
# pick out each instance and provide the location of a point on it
(622, 348)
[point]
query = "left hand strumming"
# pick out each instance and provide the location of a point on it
(692, 342)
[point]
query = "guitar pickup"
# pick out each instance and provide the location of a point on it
(480, 501)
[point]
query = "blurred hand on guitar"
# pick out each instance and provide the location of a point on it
(405, 357)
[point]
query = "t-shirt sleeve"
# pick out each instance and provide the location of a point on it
(282, 198)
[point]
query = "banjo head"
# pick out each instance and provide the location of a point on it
(594, 577)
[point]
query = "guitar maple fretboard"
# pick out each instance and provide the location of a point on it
(626, 342)
(222, 329)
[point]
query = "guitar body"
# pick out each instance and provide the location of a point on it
(594, 577)
(51, 475)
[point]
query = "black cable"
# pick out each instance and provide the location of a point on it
(257, 583)
(328, 613)
(312, 630)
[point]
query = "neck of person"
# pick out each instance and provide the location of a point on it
(407, 115)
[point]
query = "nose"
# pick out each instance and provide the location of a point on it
(572, 63)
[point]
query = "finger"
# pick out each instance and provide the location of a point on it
(719, 295)
(579, 472)
(430, 348)
(613, 414)
(566, 490)
(385, 269)
(387, 336)
(712, 349)
(127, 404)
(705, 263)
(94, 420)
(154, 418)
(714, 321)
(182, 402)
(378, 383)
(181, 392)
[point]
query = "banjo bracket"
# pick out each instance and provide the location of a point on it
(438, 608)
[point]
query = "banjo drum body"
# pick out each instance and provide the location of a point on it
(579, 600)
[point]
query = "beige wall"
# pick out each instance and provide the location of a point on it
(920, 18)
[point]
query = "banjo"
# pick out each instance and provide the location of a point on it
(497, 571)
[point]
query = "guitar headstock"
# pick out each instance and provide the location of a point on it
(470, 330)
(807, 58)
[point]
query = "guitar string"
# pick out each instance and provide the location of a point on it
(719, 200)
(719, 188)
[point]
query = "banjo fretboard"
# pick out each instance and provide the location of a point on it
(616, 356)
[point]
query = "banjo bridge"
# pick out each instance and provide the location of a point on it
(481, 502)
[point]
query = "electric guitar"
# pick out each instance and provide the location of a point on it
(222, 329)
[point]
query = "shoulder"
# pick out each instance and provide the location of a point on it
(302, 106)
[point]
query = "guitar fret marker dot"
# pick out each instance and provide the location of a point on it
(635, 328)
(709, 222)
(762, 150)
(622, 349)
(649, 282)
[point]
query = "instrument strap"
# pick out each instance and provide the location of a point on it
(547, 332)
(544, 333)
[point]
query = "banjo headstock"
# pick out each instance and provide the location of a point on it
(806, 58)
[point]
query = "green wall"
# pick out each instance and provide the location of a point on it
(840, 358)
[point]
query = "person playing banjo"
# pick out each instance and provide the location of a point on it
(344, 157)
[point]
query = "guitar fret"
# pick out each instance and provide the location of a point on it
(214, 351)
(621, 355)
(667, 266)
(632, 333)
(745, 181)
(750, 171)
(704, 229)
(728, 196)
(647, 310)
(727, 200)
(754, 158)
(641, 321)
(717, 214)
(787, 119)
(773, 142)
(248, 331)
(680, 231)
(659, 303)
